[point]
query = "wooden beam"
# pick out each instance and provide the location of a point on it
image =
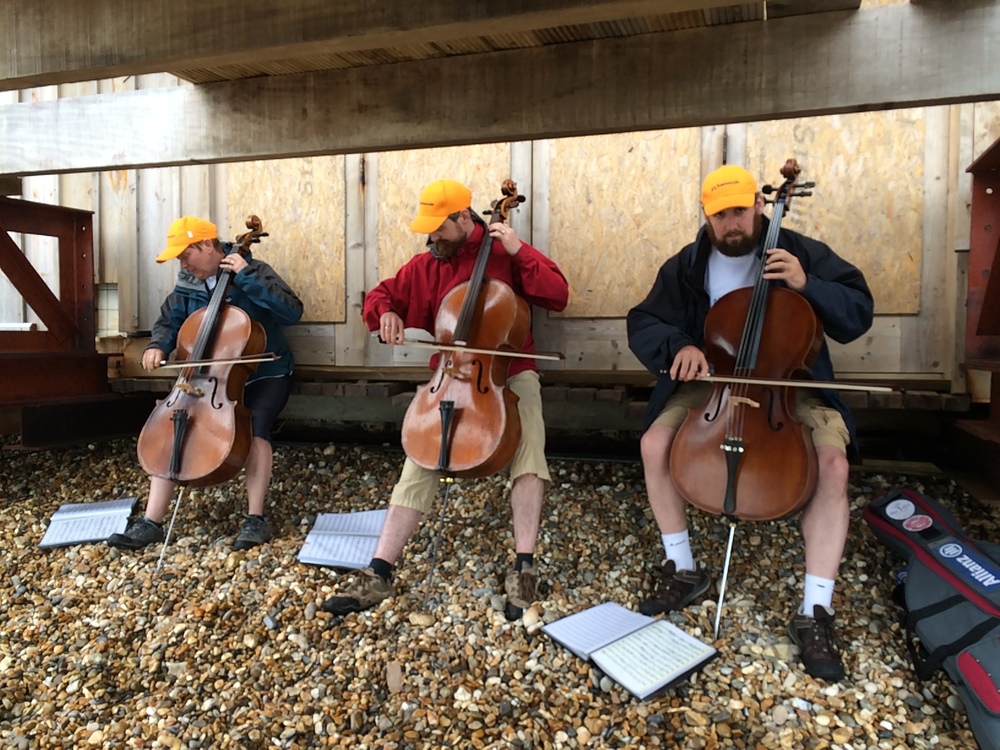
(60, 41)
(875, 58)
(10, 186)
(785, 8)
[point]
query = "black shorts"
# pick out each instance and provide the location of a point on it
(266, 398)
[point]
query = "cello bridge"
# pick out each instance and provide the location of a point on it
(735, 400)
(455, 373)
(190, 390)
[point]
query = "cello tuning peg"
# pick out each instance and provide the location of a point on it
(768, 189)
(808, 185)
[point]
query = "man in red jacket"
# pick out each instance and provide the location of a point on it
(411, 299)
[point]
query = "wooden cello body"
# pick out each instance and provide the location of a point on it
(201, 433)
(464, 421)
(743, 452)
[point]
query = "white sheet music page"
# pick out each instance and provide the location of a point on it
(77, 523)
(363, 522)
(586, 631)
(343, 540)
(652, 657)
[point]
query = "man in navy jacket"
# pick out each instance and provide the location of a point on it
(267, 299)
(666, 333)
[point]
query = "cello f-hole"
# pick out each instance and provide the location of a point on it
(712, 415)
(773, 421)
(479, 377)
(216, 403)
(435, 387)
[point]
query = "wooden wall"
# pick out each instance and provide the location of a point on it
(892, 196)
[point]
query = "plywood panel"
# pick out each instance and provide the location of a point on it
(926, 339)
(312, 344)
(598, 345)
(869, 195)
(402, 175)
(620, 205)
(986, 126)
(116, 231)
(158, 203)
(878, 351)
(301, 203)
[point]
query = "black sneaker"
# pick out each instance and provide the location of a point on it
(819, 647)
(521, 587)
(139, 532)
(677, 589)
(254, 531)
(364, 592)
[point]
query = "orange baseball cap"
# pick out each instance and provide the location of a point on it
(728, 186)
(438, 201)
(186, 231)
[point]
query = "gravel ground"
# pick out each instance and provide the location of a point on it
(228, 649)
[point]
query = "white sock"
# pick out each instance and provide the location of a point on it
(678, 548)
(818, 591)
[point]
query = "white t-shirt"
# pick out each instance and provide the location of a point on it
(725, 274)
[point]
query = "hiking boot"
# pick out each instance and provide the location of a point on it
(819, 647)
(139, 532)
(521, 588)
(254, 531)
(364, 592)
(677, 589)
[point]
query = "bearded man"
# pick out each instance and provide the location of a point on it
(411, 299)
(666, 332)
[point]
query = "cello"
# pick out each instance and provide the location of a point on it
(744, 453)
(464, 421)
(200, 434)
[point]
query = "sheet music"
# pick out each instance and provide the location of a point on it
(586, 631)
(75, 523)
(90, 509)
(652, 657)
(343, 540)
(348, 551)
(364, 522)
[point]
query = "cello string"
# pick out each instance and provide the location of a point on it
(464, 323)
(754, 324)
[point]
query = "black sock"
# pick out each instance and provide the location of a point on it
(382, 567)
(252, 515)
(157, 524)
(522, 559)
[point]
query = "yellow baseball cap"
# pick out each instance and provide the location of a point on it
(186, 231)
(728, 186)
(438, 201)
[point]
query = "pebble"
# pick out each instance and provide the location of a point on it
(231, 649)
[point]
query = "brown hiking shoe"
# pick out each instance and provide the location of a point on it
(521, 588)
(819, 647)
(677, 589)
(366, 590)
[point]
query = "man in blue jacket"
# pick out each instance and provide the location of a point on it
(666, 333)
(266, 298)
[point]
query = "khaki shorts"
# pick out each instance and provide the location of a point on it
(827, 424)
(417, 487)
